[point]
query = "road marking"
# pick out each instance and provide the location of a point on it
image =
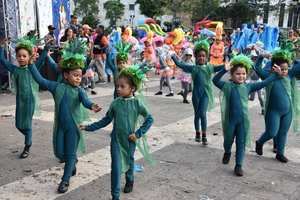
(43, 185)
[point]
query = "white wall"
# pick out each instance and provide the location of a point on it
(45, 16)
(27, 16)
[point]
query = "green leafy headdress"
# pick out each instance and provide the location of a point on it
(282, 55)
(27, 43)
(136, 73)
(202, 44)
(123, 51)
(242, 60)
(73, 55)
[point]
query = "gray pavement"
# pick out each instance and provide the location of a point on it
(184, 169)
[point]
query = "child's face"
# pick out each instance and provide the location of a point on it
(73, 77)
(284, 69)
(239, 75)
(123, 88)
(122, 65)
(201, 58)
(23, 57)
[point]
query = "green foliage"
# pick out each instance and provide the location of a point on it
(73, 54)
(114, 11)
(153, 8)
(201, 8)
(241, 13)
(242, 60)
(88, 10)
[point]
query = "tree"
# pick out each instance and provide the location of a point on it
(152, 8)
(241, 13)
(114, 11)
(88, 10)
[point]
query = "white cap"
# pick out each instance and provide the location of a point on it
(188, 51)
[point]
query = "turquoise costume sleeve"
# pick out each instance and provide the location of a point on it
(103, 122)
(84, 99)
(5, 63)
(258, 69)
(218, 67)
(258, 85)
(147, 122)
(185, 67)
(49, 85)
(52, 64)
(217, 79)
(41, 60)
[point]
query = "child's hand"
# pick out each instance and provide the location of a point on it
(276, 69)
(96, 108)
(227, 66)
(132, 137)
(82, 127)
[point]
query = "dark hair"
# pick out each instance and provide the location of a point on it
(65, 36)
(129, 81)
(279, 62)
(235, 67)
(18, 48)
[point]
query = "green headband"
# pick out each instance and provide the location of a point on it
(242, 60)
(202, 45)
(282, 55)
(123, 51)
(73, 55)
(136, 73)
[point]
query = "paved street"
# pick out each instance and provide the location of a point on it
(184, 169)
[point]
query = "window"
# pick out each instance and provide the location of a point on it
(131, 6)
(281, 15)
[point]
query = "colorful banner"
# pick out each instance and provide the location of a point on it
(61, 16)
(27, 16)
(44, 15)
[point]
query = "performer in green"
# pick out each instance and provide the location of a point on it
(69, 113)
(124, 112)
(234, 107)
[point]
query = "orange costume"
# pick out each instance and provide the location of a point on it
(217, 53)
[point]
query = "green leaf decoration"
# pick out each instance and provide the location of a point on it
(242, 60)
(136, 73)
(73, 54)
(123, 50)
(282, 55)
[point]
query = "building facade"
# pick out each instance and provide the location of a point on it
(132, 15)
(282, 13)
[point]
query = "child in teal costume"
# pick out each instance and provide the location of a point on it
(26, 88)
(234, 107)
(279, 103)
(124, 112)
(69, 98)
(202, 97)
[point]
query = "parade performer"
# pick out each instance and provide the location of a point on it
(184, 77)
(234, 107)
(202, 97)
(69, 113)
(119, 62)
(281, 102)
(124, 134)
(217, 52)
(26, 88)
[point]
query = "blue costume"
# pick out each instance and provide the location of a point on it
(202, 91)
(124, 113)
(66, 136)
(279, 108)
(235, 112)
